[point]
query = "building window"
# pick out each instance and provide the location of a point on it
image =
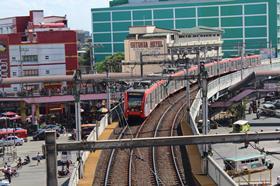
(30, 58)
(13, 58)
(32, 72)
(46, 57)
(47, 71)
(14, 73)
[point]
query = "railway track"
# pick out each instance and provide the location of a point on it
(156, 166)
(147, 166)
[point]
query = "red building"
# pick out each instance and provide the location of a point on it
(35, 45)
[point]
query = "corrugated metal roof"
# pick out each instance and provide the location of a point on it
(199, 30)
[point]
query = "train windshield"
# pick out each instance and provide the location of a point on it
(135, 100)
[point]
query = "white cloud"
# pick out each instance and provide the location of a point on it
(78, 11)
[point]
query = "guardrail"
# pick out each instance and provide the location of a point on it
(214, 170)
(74, 179)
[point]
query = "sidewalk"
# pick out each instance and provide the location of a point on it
(91, 163)
(262, 121)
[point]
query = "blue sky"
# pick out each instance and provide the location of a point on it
(77, 11)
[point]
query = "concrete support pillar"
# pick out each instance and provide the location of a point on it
(33, 110)
(22, 108)
(51, 157)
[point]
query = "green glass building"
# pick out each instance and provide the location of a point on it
(253, 22)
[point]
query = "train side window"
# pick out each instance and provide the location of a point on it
(157, 95)
(150, 100)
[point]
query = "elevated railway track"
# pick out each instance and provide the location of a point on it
(147, 166)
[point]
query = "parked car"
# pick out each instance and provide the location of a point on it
(277, 104)
(52, 127)
(11, 140)
(278, 180)
(5, 143)
(4, 182)
(211, 124)
(269, 105)
(40, 135)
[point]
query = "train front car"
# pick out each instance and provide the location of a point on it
(134, 105)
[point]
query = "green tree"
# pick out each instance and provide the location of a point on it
(84, 58)
(113, 63)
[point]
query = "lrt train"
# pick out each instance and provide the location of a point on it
(139, 102)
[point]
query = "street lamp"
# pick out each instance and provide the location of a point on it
(21, 63)
(91, 46)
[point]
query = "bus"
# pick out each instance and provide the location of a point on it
(235, 166)
(240, 126)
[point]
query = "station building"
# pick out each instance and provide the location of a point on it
(255, 23)
(35, 45)
(152, 44)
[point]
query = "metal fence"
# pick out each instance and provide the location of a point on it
(214, 170)
(74, 179)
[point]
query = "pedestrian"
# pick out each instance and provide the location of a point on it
(68, 166)
(5, 166)
(258, 114)
(8, 174)
(38, 158)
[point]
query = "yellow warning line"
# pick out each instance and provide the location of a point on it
(195, 159)
(91, 163)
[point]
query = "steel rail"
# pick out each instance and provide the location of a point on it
(155, 172)
(179, 177)
(109, 167)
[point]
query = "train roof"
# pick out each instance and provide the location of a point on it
(246, 157)
(136, 90)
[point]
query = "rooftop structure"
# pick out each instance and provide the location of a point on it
(252, 22)
(149, 44)
(35, 45)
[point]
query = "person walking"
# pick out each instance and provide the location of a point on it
(38, 158)
(8, 174)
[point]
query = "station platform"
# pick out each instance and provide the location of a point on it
(91, 163)
(195, 159)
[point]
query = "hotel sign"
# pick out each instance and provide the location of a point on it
(154, 47)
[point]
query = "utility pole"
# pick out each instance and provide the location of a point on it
(270, 52)
(91, 58)
(1, 71)
(203, 78)
(21, 63)
(21, 67)
(218, 60)
(187, 61)
(108, 92)
(242, 59)
(77, 86)
(141, 64)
